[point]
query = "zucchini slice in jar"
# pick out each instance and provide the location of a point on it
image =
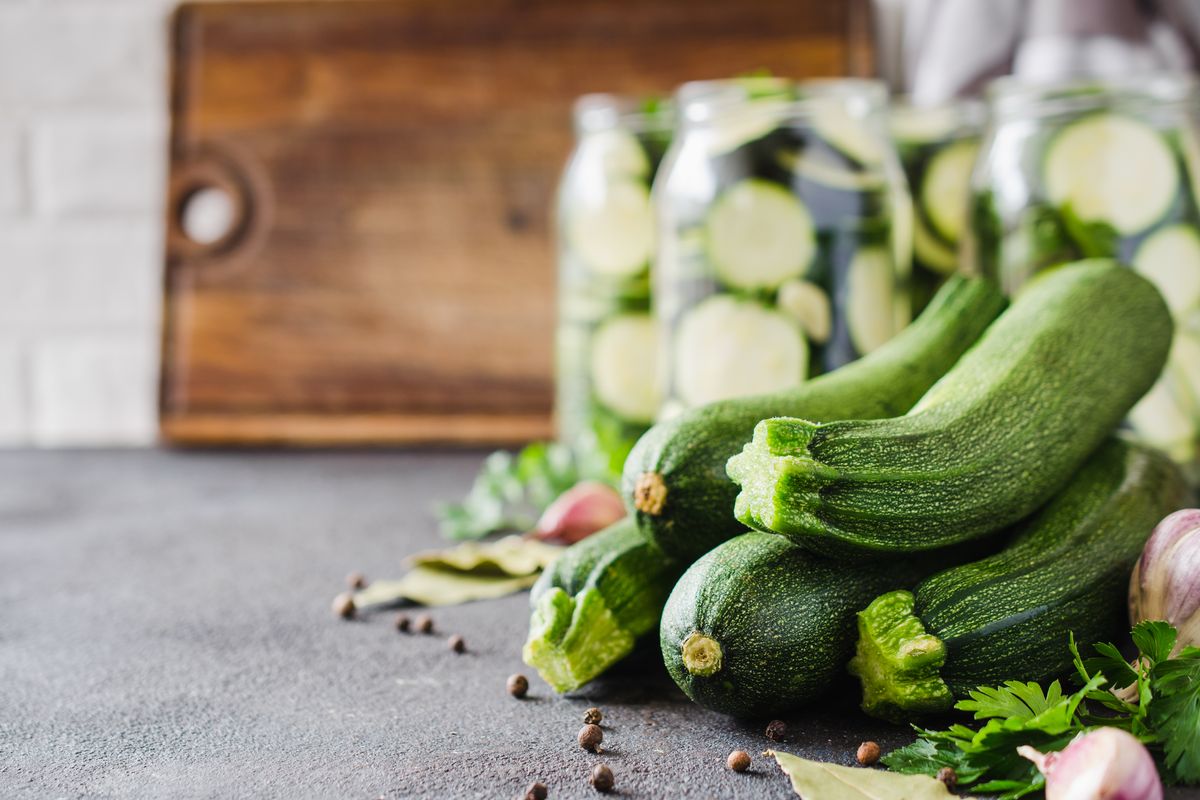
(728, 347)
(1113, 169)
(932, 252)
(808, 304)
(849, 135)
(613, 231)
(1170, 258)
(624, 366)
(870, 299)
(618, 153)
(945, 187)
(759, 235)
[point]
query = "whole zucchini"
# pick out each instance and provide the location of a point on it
(994, 439)
(1006, 617)
(593, 603)
(674, 480)
(759, 625)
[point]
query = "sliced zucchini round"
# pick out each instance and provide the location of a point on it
(1160, 420)
(931, 251)
(728, 347)
(1112, 168)
(916, 125)
(1170, 257)
(1184, 366)
(759, 235)
(613, 231)
(812, 166)
(624, 366)
(753, 121)
(849, 135)
(808, 304)
(870, 299)
(945, 188)
(618, 152)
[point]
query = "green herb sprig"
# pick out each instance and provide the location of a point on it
(1158, 702)
(511, 491)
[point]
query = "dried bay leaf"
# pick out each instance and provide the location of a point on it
(817, 780)
(470, 571)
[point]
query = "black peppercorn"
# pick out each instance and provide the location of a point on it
(518, 685)
(949, 777)
(590, 737)
(593, 716)
(868, 753)
(536, 791)
(738, 761)
(776, 730)
(403, 623)
(457, 644)
(356, 580)
(602, 778)
(343, 606)
(424, 624)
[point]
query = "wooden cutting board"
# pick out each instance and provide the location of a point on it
(388, 276)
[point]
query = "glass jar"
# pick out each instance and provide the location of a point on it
(783, 247)
(1110, 170)
(937, 146)
(606, 341)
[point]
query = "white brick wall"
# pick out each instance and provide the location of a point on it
(82, 164)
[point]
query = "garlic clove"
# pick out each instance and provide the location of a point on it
(582, 510)
(1166, 580)
(1104, 764)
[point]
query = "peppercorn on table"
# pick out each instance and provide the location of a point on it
(167, 632)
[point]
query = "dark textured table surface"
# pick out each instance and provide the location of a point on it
(165, 632)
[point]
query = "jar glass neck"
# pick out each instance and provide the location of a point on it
(1009, 98)
(705, 102)
(595, 113)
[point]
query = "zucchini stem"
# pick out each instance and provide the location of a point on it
(781, 480)
(701, 654)
(898, 662)
(574, 639)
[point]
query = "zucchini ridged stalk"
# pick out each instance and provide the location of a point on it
(992, 441)
(593, 604)
(1007, 616)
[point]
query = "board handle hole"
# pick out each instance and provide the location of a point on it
(207, 214)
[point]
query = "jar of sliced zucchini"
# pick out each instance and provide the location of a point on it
(1101, 169)
(937, 146)
(780, 253)
(607, 343)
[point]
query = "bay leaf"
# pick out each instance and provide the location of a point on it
(461, 574)
(817, 780)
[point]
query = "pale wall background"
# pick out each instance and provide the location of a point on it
(83, 130)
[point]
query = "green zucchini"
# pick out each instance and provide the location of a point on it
(1006, 617)
(759, 625)
(594, 602)
(992, 441)
(674, 480)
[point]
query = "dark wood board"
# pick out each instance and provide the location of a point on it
(389, 276)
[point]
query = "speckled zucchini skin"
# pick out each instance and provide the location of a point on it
(784, 620)
(992, 441)
(1007, 616)
(1067, 569)
(674, 480)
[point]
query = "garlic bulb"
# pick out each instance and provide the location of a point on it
(1166, 581)
(1105, 764)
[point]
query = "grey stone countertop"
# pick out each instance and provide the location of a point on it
(166, 632)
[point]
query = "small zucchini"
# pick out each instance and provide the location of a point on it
(992, 441)
(759, 626)
(675, 480)
(1006, 617)
(594, 602)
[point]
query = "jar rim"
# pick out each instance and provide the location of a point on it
(908, 121)
(701, 102)
(1011, 94)
(601, 111)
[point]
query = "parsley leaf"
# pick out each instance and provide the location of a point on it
(511, 491)
(1174, 712)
